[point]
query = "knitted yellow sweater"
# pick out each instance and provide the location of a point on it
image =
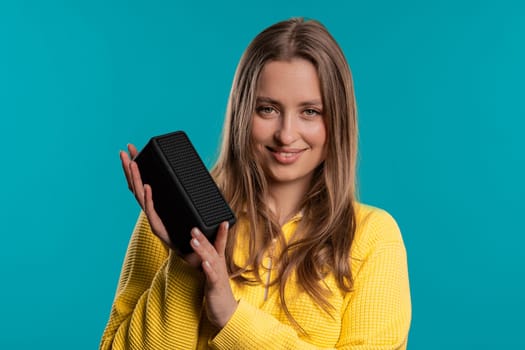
(158, 303)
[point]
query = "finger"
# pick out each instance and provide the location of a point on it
(202, 246)
(124, 160)
(212, 264)
(132, 154)
(154, 220)
(201, 242)
(132, 150)
(212, 271)
(138, 187)
(222, 237)
(211, 275)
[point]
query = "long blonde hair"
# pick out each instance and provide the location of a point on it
(328, 225)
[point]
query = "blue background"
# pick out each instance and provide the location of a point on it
(440, 88)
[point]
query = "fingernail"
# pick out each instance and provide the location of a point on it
(226, 225)
(195, 232)
(207, 263)
(195, 242)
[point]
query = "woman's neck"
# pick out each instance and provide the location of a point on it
(285, 199)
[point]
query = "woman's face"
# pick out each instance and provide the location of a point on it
(288, 127)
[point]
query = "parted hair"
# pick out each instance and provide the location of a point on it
(324, 236)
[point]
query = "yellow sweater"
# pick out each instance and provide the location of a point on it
(158, 303)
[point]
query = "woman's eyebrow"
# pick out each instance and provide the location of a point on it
(317, 103)
(264, 99)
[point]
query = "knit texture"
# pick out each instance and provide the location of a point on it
(159, 299)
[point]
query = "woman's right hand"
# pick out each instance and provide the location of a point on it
(144, 197)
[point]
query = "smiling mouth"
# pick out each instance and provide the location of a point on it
(285, 156)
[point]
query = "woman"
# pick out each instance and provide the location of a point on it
(306, 266)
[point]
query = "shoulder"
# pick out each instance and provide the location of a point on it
(375, 228)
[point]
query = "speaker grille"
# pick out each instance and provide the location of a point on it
(194, 178)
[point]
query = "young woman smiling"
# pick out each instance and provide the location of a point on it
(307, 266)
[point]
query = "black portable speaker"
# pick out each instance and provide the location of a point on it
(184, 193)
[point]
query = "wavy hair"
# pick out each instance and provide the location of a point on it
(328, 225)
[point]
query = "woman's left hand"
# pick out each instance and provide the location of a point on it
(220, 303)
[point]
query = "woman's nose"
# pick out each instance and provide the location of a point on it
(286, 132)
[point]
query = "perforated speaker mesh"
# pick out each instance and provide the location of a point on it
(194, 178)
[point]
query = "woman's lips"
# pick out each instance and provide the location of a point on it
(285, 155)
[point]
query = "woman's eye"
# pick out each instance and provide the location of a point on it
(265, 110)
(311, 112)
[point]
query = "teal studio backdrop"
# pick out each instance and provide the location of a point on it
(440, 89)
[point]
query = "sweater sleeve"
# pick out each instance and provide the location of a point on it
(158, 300)
(376, 315)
